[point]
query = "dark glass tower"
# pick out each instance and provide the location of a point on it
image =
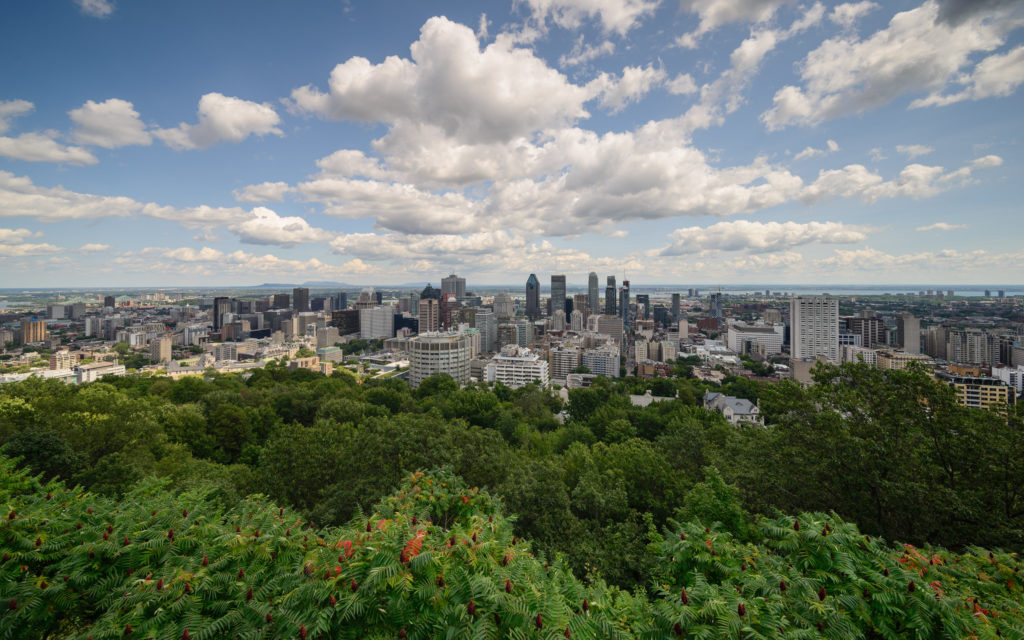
(609, 297)
(533, 297)
(593, 293)
(558, 294)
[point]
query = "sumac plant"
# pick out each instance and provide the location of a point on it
(438, 561)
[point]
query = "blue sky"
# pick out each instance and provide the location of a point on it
(692, 141)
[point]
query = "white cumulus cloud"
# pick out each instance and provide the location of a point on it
(222, 119)
(109, 124)
(760, 237)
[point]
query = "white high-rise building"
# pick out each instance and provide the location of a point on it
(576, 321)
(515, 367)
(741, 334)
(814, 327)
(431, 353)
(563, 360)
(603, 361)
(558, 320)
(378, 322)
(504, 306)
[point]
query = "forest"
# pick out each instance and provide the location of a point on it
(596, 487)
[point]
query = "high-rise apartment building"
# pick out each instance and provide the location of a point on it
(870, 329)
(300, 298)
(971, 346)
(557, 294)
(378, 322)
(432, 353)
(593, 294)
(63, 359)
(515, 367)
(609, 297)
(455, 285)
(160, 349)
(908, 333)
(430, 315)
(532, 297)
(814, 327)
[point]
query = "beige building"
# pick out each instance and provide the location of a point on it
(430, 315)
(895, 360)
(63, 359)
(33, 330)
(160, 349)
(982, 393)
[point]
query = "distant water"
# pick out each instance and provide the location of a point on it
(840, 290)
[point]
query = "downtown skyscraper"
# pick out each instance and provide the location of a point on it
(593, 293)
(609, 297)
(532, 297)
(557, 294)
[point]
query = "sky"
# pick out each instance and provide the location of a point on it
(239, 142)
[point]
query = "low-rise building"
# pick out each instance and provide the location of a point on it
(96, 370)
(735, 410)
(980, 392)
(515, 367)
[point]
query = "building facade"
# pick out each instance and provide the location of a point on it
(433, 353)
(814, 327)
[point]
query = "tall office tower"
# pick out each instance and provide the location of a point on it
(433, 353)
(281, 300)
(675, 306)
(716, 306)
(504, 307)
(486, 322)
(684, 328)
(624, 303)
(430, 315)
(645, 300)
(379, 297)
(109, 301)
(594, 296)
(908, 333)
(453, 284)
(609, 297)
(581, 303)
(557, 294)
(988, 293)
(532, 297)
(300, 298)
(814, 327)
(221, 306)
(340, 301)
(33, 330)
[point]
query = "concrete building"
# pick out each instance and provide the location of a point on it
(300, 299)
(908, 333)
(515, 367)
(611, 326)
(980, 392)
(160, 349)
(593, 295)
(853, 353)
(870, 329)
(814, 327)
(432, 353)
(1011, 376)
(378, 322)
(63, 359)
(603, 361)
(504, 307)
(33, 330)
(896, 360)
(96, 370)
(576, 321)
(562, 361)
(430, 315)
(454, 285)
(971, 346)
(741, 336)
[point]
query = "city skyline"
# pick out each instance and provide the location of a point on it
(710, 141)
